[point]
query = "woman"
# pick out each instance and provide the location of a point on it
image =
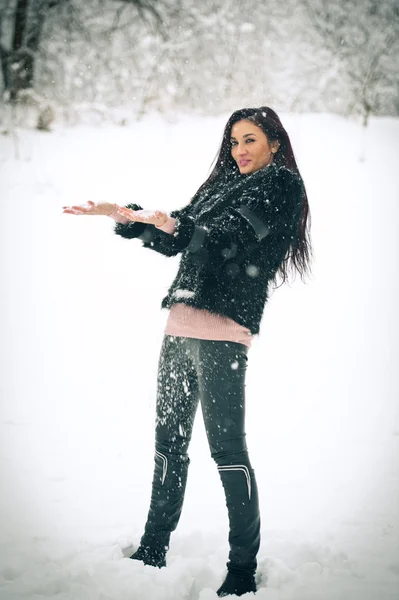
(239, 231)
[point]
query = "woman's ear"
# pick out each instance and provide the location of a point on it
(275, 146)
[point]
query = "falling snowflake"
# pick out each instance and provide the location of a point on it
(252, 270)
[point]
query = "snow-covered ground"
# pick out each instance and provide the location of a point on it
(81, 333)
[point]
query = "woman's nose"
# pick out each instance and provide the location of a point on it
(241, 149)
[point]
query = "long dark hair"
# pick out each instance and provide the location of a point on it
(300, 250)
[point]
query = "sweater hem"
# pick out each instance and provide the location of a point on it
(167, 303)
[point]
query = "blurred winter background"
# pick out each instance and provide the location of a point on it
(126, 101)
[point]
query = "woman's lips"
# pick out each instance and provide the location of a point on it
(243, 163)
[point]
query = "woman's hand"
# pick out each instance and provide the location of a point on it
(150, 217)
(91, 208)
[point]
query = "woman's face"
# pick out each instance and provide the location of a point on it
(250, 147)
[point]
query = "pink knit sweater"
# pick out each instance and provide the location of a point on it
(188, 321)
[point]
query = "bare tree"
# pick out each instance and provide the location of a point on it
(364, 36)
(18, 59)
(112, 59)
(26, 19)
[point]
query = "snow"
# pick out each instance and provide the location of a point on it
(183, 293)
(82, 329)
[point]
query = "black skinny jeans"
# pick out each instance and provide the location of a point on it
(190, 370)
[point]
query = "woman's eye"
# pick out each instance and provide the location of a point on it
(234, 143)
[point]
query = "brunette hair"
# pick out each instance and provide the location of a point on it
(300, 250)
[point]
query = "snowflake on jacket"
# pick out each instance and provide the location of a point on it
(232, 238)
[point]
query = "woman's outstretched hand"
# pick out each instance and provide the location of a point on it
(151, 217)
(91, 208)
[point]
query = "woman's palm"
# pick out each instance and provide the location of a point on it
(149, 217)
(91, 208)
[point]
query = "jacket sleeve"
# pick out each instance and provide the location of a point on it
(152, 237)
(262, 210)
(265, 207)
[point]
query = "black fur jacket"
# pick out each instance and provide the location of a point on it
(233, 236)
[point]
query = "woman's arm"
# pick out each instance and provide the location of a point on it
(158, 238)
(263, 210)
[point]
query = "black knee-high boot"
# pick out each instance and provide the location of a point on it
(167, 496)
(241, 492)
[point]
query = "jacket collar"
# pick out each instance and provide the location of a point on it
(217, 191)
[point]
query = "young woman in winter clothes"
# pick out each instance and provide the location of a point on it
(239, 231)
